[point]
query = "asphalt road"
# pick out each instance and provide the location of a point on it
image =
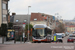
(39, 46)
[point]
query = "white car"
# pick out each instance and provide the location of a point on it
(59, 37)
(74, 33)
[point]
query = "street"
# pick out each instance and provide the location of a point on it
(39, 46)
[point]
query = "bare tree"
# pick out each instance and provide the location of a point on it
(60, 28)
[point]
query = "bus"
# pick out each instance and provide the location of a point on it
(10, 34)
(41, 33)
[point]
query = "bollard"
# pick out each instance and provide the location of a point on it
(14, 40)
(2, 40)
(21, 39)
(24, 39)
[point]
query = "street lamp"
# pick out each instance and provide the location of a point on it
(28, 22)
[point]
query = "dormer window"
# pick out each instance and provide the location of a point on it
(44, 16)
(35, 19)
(17, 20)
(25, 20)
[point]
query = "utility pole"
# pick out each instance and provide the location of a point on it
(28, 22)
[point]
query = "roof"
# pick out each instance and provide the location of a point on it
(38, 16)
(70, 26)
(21, 18)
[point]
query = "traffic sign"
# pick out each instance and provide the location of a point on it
(23, 25)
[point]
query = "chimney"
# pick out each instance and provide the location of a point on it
(13, 14)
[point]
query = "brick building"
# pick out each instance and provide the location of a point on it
(41, 18)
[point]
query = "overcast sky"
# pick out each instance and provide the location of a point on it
(64, 8)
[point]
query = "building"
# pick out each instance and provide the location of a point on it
(21, 19)
(70, 28)
(61, 20)
(3, 11)
(8, 18)
(41, 18)
(18, 21)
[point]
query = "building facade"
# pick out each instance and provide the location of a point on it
(3, 11)
(18, 23)
(70, 28)
(40, 18)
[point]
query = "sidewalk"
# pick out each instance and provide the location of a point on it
(0, 40)
(12, 42)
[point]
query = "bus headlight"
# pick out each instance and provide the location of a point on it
(33, 38)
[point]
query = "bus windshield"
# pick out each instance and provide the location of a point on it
(39, 32)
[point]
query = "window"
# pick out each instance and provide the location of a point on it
(44, 16)
(4, 6)
(17, 20)
(25, 20)
(74, 28)
(4, 17)
(35, 19)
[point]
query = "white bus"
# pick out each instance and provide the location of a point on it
(41, 33)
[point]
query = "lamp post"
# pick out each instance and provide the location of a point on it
(28, 22)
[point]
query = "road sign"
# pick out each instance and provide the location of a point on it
(23, 25)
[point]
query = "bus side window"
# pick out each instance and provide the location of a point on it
(32, 29)
(33, 32)
(46, 31)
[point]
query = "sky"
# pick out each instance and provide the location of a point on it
(64, 9)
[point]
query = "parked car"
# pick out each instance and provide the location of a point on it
(67, 33)
(72, 36)
(70, 39)
(74, 33)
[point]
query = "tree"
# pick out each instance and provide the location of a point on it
(3, 29)
(30, 26)
(26, 28)
(60, 28)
